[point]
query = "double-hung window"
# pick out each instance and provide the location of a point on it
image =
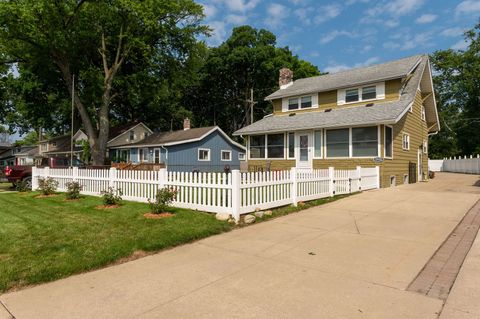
(306, 102)
(425, 147)
(275, 145)
(365, 93)
(369, 92)
(257, 146)
(351, 95)
(365, 141)
(337, 142)
(406, 141)
(303, 102)
(293, 104)
(422, 115)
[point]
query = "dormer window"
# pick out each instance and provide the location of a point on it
(300, 102)
(361, 94)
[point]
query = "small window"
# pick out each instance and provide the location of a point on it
(425, 147)
(204, 154)
(388, 142)
(241, 156)
(317, 144)
(406, 141)
(293, 104)
(257, 146)
(351, 95)
(423, 113)
(291, 145)
(132, 135)
(369, 92)
(145, 135)
(275, 146)
(226, 156)
(306, 102)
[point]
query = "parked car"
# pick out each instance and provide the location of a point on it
(23, 173)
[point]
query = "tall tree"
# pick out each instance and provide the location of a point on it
(458, 97)
(103, 43)
(248, 60)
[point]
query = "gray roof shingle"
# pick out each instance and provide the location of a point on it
(375, 73)
(380, 112)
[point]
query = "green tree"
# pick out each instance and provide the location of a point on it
(248, 60)
(31, 138)
(104, 44)
(458, 99)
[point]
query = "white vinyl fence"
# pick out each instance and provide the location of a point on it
(234, 193)
(466, 165)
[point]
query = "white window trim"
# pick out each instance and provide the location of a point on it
(198, 154)
(411, 108)
(241, 156)
(299, 98)
(422, 113)
(384, 145)
(380, 91)
(425, 147)
(266, 148)
(350, 143)
(403, 141)
(229, 157)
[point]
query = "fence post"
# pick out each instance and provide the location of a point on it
(331, 181)
(359, 174)
(74, 173)
(46, 172)
(236, 194)
(377, 172)
(162, 178)
(34, 178)
(293, 180)
(112, 176)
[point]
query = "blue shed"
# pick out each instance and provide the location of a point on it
(204, 149)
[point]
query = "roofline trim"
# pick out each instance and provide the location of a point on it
(141, 123)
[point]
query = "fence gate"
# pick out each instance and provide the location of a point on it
(412, 173)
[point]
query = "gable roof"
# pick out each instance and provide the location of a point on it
(178, 137)
(118, 130)
(371, 74)
(380, 113)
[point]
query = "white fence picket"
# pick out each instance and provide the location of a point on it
(470, 165)
(233, 193)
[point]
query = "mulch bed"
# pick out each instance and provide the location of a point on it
(107, 206)
(157, 216)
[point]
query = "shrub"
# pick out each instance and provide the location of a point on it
(112, 196)
(163, 199)
(23, 186)
(73, 190)
(47, 186)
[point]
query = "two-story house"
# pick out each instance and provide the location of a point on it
(379, 115)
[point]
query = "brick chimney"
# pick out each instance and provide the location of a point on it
(286, 78)
(186, 124)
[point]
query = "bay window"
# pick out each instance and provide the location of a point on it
(364, 141)
(337, 143)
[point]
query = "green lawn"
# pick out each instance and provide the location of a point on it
(5, 187)
(43, 239)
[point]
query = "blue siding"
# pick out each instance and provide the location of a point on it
(184, 157)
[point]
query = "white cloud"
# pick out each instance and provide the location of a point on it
(392, 9)
(219, 32)
(327, 12)
(276, 13)
(209, 10)
(409, 42)
(333, 35)
(334, 68)
(241, 5)
(461, 45)
(452, 32)
(426, 18)
(236, 19)
(468, 7)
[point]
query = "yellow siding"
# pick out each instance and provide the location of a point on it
(275, 164)
(328, 100)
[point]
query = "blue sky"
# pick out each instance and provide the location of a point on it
(337, 35)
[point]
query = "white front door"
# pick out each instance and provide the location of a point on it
(303, 147)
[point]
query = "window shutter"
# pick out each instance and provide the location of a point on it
(341, 97)
(381, 91)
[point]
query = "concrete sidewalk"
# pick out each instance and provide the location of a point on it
(352, 258)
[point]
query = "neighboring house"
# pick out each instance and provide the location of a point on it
(19, 155)
(377, 115)
(60, 146)
(205, 149)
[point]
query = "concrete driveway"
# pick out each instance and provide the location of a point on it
(352, 258)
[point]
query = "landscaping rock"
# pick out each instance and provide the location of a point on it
(268, 213)
(259, 214)
(249, 219)
(222, 216)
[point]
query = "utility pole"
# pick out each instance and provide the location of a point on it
(252, 103)
(71, 127)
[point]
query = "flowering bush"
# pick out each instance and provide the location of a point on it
(164, 197)
(73, 190)
(112, 196)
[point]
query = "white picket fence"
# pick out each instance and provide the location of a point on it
(466, 165)
(234, 193)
